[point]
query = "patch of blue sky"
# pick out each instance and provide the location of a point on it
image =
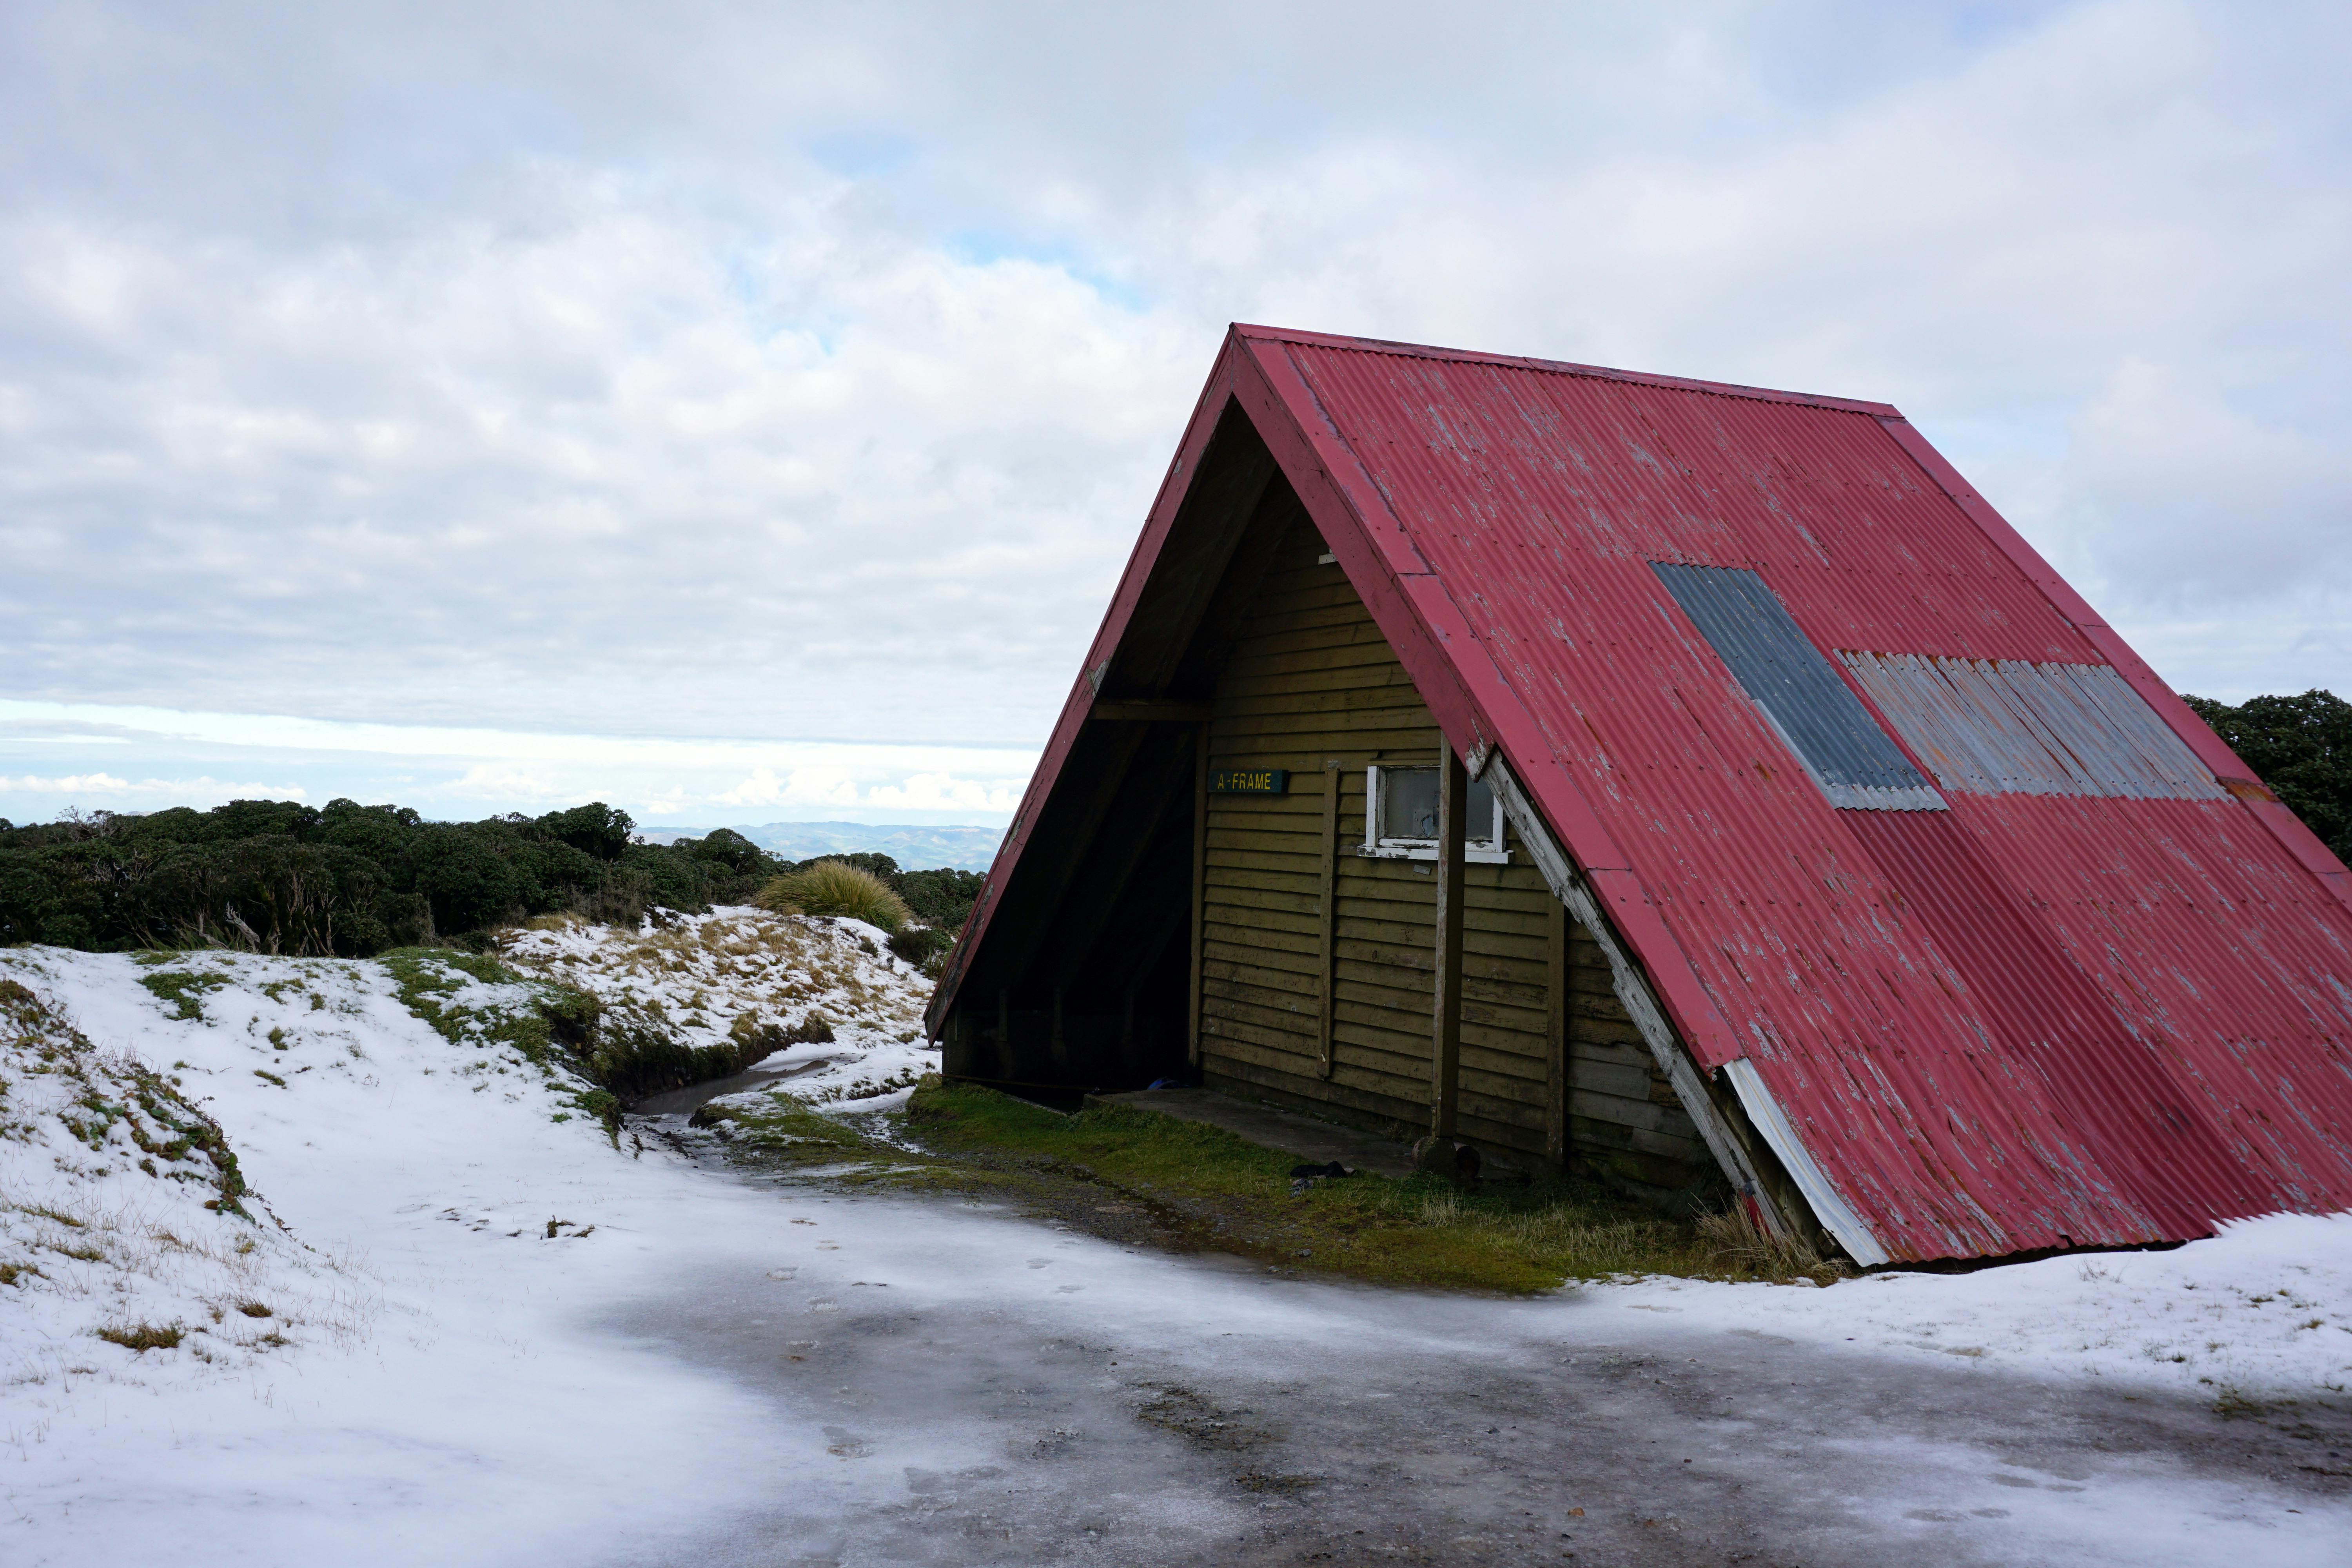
(862, 154)
(987, 247)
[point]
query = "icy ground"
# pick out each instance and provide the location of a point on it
(493, 1338)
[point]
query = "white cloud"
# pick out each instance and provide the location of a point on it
(107, 788)
(803, 380)
(453, 773)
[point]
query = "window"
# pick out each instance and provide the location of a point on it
(1797, 689)
(1401, 817)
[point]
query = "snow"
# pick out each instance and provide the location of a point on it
(2262, 1310)
(442, 1379)
(701, 974)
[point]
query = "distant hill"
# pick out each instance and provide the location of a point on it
(915, 849)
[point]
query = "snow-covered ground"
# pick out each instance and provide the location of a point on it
(2262, 1311)
(703, 976)
(494, 1337)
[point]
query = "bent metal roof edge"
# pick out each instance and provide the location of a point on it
(1456, 670)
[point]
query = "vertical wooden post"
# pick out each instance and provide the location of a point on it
(1556, 1067)
(1061, 1046)
(1200, 889)
(1330, 894)
(1127, 1033)
(1445, 1064)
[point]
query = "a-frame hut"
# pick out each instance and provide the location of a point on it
(1676, 778)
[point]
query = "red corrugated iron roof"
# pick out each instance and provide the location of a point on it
(2041, 1015)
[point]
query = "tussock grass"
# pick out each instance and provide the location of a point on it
(836, 888)
(1732, 1241)
(142, 1338)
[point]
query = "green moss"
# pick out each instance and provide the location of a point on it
(1216, 1189)
(552, 1027)
(183, 989)
(779, 1128)
(1151, 1179)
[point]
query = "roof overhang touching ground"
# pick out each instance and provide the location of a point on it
(1992, 935)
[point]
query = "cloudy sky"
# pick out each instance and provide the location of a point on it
(743, 411)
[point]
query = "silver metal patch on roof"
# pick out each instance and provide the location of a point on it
(1799, 691)
(2008, 727)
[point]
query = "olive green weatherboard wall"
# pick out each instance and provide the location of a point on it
(1311, 683)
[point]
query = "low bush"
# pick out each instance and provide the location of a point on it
(2302, 748)
(347, 880)
(919, 945)
(836, 888)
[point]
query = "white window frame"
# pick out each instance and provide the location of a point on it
(1484, 850)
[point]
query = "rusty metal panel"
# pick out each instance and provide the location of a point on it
(1825, 726)
(2009, 727)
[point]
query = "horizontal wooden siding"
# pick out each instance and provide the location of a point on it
(1311, 682)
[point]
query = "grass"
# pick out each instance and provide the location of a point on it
(552, 1029)
(144, 1337)
(836, 888)
(183, 988)
(1146, 1177)
(159, 1121)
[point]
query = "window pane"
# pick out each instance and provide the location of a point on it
(1778, 665)
(1409, 806)
(1408, 803)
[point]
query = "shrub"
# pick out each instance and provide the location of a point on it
(836, 888)
(594, 829)
(2302, 748)
(917, 945)
(942, 897)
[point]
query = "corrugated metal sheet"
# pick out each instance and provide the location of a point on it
(2007, 727)
(2100, 999)
(1826, 727)
(2108, 1016)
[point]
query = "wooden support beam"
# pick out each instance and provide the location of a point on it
(1556, 1066)
(1061, 1046)
(1005, 1032)
(1633, 992)
(1200, 894)
(1328, 892)
(1161, 712)
(1445, 1056)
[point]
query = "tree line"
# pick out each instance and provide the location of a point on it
(353, 880)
